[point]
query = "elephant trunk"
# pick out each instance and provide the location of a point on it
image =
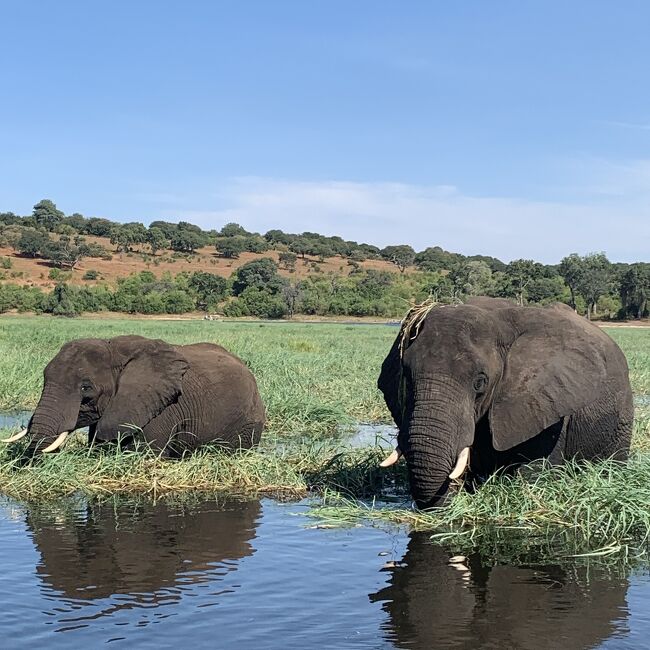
(440, 427)
(55, 413)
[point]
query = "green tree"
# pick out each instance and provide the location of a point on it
(275, 237)
(168, 228)
(210, 288)
(300, 246)
(32, 242)
(76, 221)
(156, 239)
(263, 303)
(288, 260)
(47, 215)
(521, 273)
(233, 230)
(177, 302)
(99, 227)
(635, 289)
(261, 274)
(402, 256)
(595, 280)
(66, 252)
(186, 241)
(472, 278)
(230, 247)
(62, 301)
(571, 269)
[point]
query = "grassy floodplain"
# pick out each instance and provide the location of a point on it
(313, 378)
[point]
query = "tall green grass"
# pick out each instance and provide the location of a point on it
(312, 377)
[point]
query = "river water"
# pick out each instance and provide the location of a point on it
(222, 573)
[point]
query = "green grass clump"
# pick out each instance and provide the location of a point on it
(294, 470)
(586, 507)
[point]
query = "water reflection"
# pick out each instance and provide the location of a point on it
(433, 603)
(138, 554)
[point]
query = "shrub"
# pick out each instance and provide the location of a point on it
(90, 274)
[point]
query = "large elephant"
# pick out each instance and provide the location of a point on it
(432, 603)
(178, 397)
(490, 385)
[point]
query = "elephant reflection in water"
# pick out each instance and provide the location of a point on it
(139, 550)
(434, 604)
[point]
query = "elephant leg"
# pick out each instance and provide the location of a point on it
(92, 432)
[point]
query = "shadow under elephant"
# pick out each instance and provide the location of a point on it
(144, 553)
(432, 603)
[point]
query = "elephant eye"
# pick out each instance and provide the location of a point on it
(480, 383)
(86, 388)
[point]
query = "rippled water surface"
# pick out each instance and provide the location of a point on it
(258, 574)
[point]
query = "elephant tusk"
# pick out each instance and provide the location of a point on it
(57, 443)
(461, 464)
(16, 436)
(395, 455)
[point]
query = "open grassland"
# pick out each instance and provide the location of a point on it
(314, 377)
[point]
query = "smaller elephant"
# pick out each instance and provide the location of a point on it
(178, 396)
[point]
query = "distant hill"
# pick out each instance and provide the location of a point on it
(65, 264)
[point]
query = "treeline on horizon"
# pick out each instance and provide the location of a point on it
(591, 284)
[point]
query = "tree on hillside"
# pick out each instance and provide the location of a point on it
(230, 247)
(255, 244)
(47, 215)
(288, 260)
(184, 225)
(233, 230)
(31, 242)
(156, 239)
(9, 218)
(186, 241)
(98, 227)
(278, 237)
(402, 256)
(635, 289)
(300, 246)
(436, 259)
(77, 221)
(261, 274)
(166, 227)
(66, 252)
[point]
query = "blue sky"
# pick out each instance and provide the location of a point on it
(517, 129)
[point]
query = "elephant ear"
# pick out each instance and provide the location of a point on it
(390, 382)
(556, 366)
(150, 375)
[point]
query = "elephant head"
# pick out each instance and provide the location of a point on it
(432, 602)
(488, 378)
(105, 384)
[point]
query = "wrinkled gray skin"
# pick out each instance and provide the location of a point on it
(513, 383)
(180, 397)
